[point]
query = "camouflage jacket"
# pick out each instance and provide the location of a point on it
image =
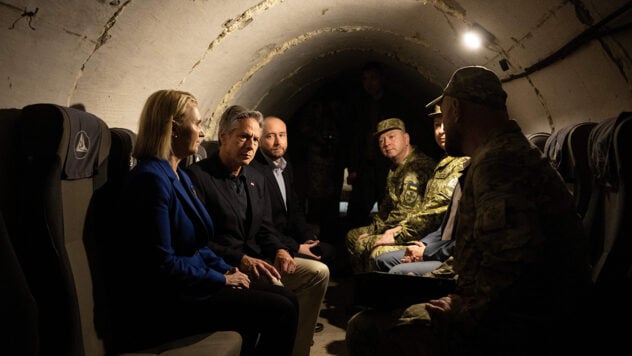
(435, 201)
(521, 256)
(405, 186)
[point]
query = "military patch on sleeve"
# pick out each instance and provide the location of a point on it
(411, 194)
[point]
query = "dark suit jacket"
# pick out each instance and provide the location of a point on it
(235, 237)
(289, 221)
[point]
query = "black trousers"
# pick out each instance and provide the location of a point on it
(269, 313)
(265, 316)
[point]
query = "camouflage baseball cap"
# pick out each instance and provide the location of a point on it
(436, 111)
(389, 124)
(476, 84)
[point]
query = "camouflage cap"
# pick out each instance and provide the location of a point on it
(389, 124)
(435, 112)
(476, 84)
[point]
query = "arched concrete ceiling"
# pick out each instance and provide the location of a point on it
(273, 55)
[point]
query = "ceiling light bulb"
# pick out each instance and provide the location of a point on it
(472, 40)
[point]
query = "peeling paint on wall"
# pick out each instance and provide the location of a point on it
(583, 15)
(450, 7)
(620, 57)
(105, 36)
(75, 34)
(549, 14)
(549, 118)
(231, 25)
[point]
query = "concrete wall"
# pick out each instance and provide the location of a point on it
(275, 55)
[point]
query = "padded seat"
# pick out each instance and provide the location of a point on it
(210, 146)
(608, 217)
(567, 150)
(64, 159)
(18, 310)
(577, 159)
(120, 162)
(225, 343)
(609, 223)
(538, 139)
(198, 156)
(9, 159)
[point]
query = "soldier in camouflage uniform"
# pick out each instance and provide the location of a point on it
(521, 255)
(436, 200)
(405, 185)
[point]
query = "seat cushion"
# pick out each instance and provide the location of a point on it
(220, 343)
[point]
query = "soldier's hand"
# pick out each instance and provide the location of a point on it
(388, 238)
(439, 308)
(363, 236)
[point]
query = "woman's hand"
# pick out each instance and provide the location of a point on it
(237, 279)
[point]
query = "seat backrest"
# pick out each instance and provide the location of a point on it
(121, 161)
(210, 146)
(567, 152)
(198, 156)
(538, 139)
(101, 225)
(578, 173)
(608, 215)
(63, 160)
(555, 150)
(18, 310)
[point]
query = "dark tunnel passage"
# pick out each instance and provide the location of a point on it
(322, 129)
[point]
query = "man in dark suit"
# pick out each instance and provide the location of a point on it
(235, 196)
(287, 214)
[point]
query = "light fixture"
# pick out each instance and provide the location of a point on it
(477, 36)
(472, 39)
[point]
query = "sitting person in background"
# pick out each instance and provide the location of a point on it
(367, 167)
(521, 256)
(287, 214)
(406, 182)
(427, 254)
(234, 193)
(170, 284)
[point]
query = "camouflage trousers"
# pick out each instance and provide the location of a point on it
(361, 250)
(399, 331)
(392, 332)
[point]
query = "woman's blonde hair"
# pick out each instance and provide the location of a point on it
(163, 109)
